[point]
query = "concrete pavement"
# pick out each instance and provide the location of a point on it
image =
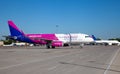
(115, 66)
(38, 60)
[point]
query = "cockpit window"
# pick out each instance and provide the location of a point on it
(87, 36)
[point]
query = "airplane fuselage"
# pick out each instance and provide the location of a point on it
(60, 39)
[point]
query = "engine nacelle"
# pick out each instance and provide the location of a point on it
(57, 43)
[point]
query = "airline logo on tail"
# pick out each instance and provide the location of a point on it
(14, 29)
(17, 34)
(94, 37)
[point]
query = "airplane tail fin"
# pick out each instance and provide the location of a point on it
(14, 30)
(94, 37)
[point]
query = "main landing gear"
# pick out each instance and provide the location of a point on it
(48, 46)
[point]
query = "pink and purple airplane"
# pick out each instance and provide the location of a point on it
(50, 40)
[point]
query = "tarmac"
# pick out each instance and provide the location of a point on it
(62, 60)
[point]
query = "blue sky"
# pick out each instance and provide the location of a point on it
(98, 17)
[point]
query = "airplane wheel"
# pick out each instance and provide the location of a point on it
(53, 46)
(48, 47)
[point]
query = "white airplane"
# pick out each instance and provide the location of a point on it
(106, 42)
(109, 42)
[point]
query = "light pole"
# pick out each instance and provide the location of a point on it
(57, 28)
